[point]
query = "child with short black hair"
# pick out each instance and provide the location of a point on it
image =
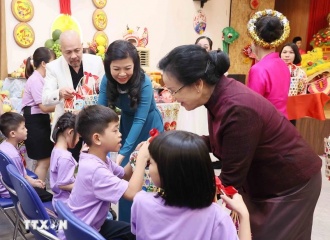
(12, 126)
(62, 163)
(99, 180)
(183, 207)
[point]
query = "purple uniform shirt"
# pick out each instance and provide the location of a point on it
(97, 184)
(62, 166)
(33, 93)
(151, 219)
(270, 77)
(13, 153)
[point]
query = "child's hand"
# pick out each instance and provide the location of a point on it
(143, 154)
(139, 146)
(236, 203)
(38, 183)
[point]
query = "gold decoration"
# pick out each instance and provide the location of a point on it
(24, 35)
(260, 42)
(100, 3)
(100, 19)
(22, 10)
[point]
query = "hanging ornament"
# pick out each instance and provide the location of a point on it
(65, 7)
(65, 21)
(100, 3)
(22, 10)
(24, 35)
(199, 22)
(229, 35)
(100, 19)
(254, 4)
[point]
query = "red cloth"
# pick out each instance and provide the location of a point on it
(309, 105)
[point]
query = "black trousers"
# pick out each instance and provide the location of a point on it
(112, 230)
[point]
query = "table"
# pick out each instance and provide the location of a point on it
(312, 123)
(308, 105)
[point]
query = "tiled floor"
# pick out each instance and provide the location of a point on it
(321, 226)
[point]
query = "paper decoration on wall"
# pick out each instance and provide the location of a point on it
(65, 22)
(100, 19)
(100, 3)
(22, 10)
(199, 22)
(133, 37)
(229, 35)
(24, 35)
(254, 4)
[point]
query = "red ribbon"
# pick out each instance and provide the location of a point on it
(87, 75)
(65, 7)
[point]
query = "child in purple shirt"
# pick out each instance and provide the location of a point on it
(99, 180)
(12, 126)
(183, 207)
(62, 163)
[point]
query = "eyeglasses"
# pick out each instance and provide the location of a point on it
(175, 92)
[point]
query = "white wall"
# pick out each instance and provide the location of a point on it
(169, 22)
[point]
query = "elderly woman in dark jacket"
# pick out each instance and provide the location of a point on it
(262, 153)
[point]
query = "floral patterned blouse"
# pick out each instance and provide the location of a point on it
(298, 83)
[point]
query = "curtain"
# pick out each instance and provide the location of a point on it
(3, 48)
(318, 12)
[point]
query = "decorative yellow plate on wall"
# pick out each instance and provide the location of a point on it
(22, 10)
(24, 35)
(100, 3)
(101, 38)
(100, 19)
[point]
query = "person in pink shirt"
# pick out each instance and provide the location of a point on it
(12, 126)
(37, 119)
(62, 163)
(100, 181)
(183, 206)
(270, 76)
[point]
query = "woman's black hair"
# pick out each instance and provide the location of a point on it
(119, 50)
(207, 38)
(41, 54)
(189, 63)
(94, 119)
(185, 169)
(66, 121)
(297, 56)
(269, 28)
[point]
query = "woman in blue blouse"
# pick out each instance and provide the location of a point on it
(126, 86)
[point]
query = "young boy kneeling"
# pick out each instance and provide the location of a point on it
(101, 181)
